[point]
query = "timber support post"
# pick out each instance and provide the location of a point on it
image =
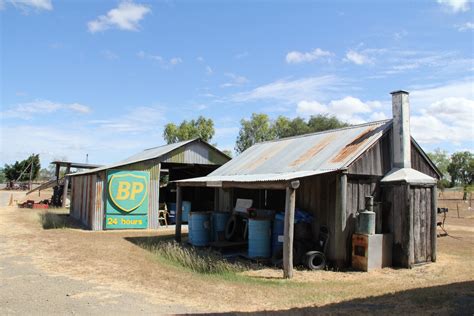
(290, 201)
(66, 185)
(434, 213)
(340, 239)
(178, 213)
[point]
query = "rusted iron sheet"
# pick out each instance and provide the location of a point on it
(313, 151)
(299, 156)
(358, 142)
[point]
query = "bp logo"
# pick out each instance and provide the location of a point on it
(128, 191)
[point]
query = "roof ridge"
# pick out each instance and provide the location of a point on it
(172, 144)
(327, 131)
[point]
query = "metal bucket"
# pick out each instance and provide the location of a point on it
(277, 235)
(260, 238)
(200, 229)
(219, 222)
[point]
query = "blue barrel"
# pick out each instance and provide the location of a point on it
(260, 234)
(172, 211)
(219, 221)
(200, 229)
(278, 230)
(190, 230)
(186, 207)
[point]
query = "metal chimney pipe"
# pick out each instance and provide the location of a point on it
(401, 129)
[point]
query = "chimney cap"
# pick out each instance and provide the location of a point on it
(399, 92)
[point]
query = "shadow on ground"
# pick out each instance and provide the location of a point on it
(450, 299)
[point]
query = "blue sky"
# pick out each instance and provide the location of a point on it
(103, 77)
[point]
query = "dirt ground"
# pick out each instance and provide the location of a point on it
(72, 271)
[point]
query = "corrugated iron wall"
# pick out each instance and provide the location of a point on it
(87, 204)
(195, 153)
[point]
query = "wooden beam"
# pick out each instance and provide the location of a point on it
(178, 213)
(289, 231)
(434, 213)
(256, 185)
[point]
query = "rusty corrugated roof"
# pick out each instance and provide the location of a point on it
(299, 156)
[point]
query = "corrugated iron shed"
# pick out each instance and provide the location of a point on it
(190, 151)
(299, 156)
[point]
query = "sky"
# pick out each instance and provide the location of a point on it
(102, 78)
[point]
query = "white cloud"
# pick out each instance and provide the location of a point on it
(447, 120)
(125, 17)
(209, 70)
(31, 4)
(292, 91)
(311, 108)
(456, 5)
(358, 58)
(235, 80)
(241, 55)
(348, 109)
(466, 27)
(173, 61)
(40, 107)
(110, 55)
(296, 57)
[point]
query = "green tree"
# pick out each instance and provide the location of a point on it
(442, 160)
(227, 152)
(461, 168)
(257, 129)
(23, 168)
(319, 123)
(2, 176)
(202, 128)
(284, 127)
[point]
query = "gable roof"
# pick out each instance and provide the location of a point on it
(299, 156)
(152, 153)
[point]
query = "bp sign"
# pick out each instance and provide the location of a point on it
(127, 199)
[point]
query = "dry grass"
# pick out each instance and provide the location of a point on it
(52, 220)
(110, 259)
(202, 261)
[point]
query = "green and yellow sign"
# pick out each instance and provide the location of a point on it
(127, 202)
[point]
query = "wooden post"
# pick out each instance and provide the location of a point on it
(58, 167)
(409, 227)
(290, 201)
(434, 213)
(66, 185)
(178, 213)
(340, 221)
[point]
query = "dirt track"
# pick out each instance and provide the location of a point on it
(63, 271)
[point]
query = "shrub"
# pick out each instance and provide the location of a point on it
(52, 221)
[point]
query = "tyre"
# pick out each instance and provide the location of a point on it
(315, 260)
